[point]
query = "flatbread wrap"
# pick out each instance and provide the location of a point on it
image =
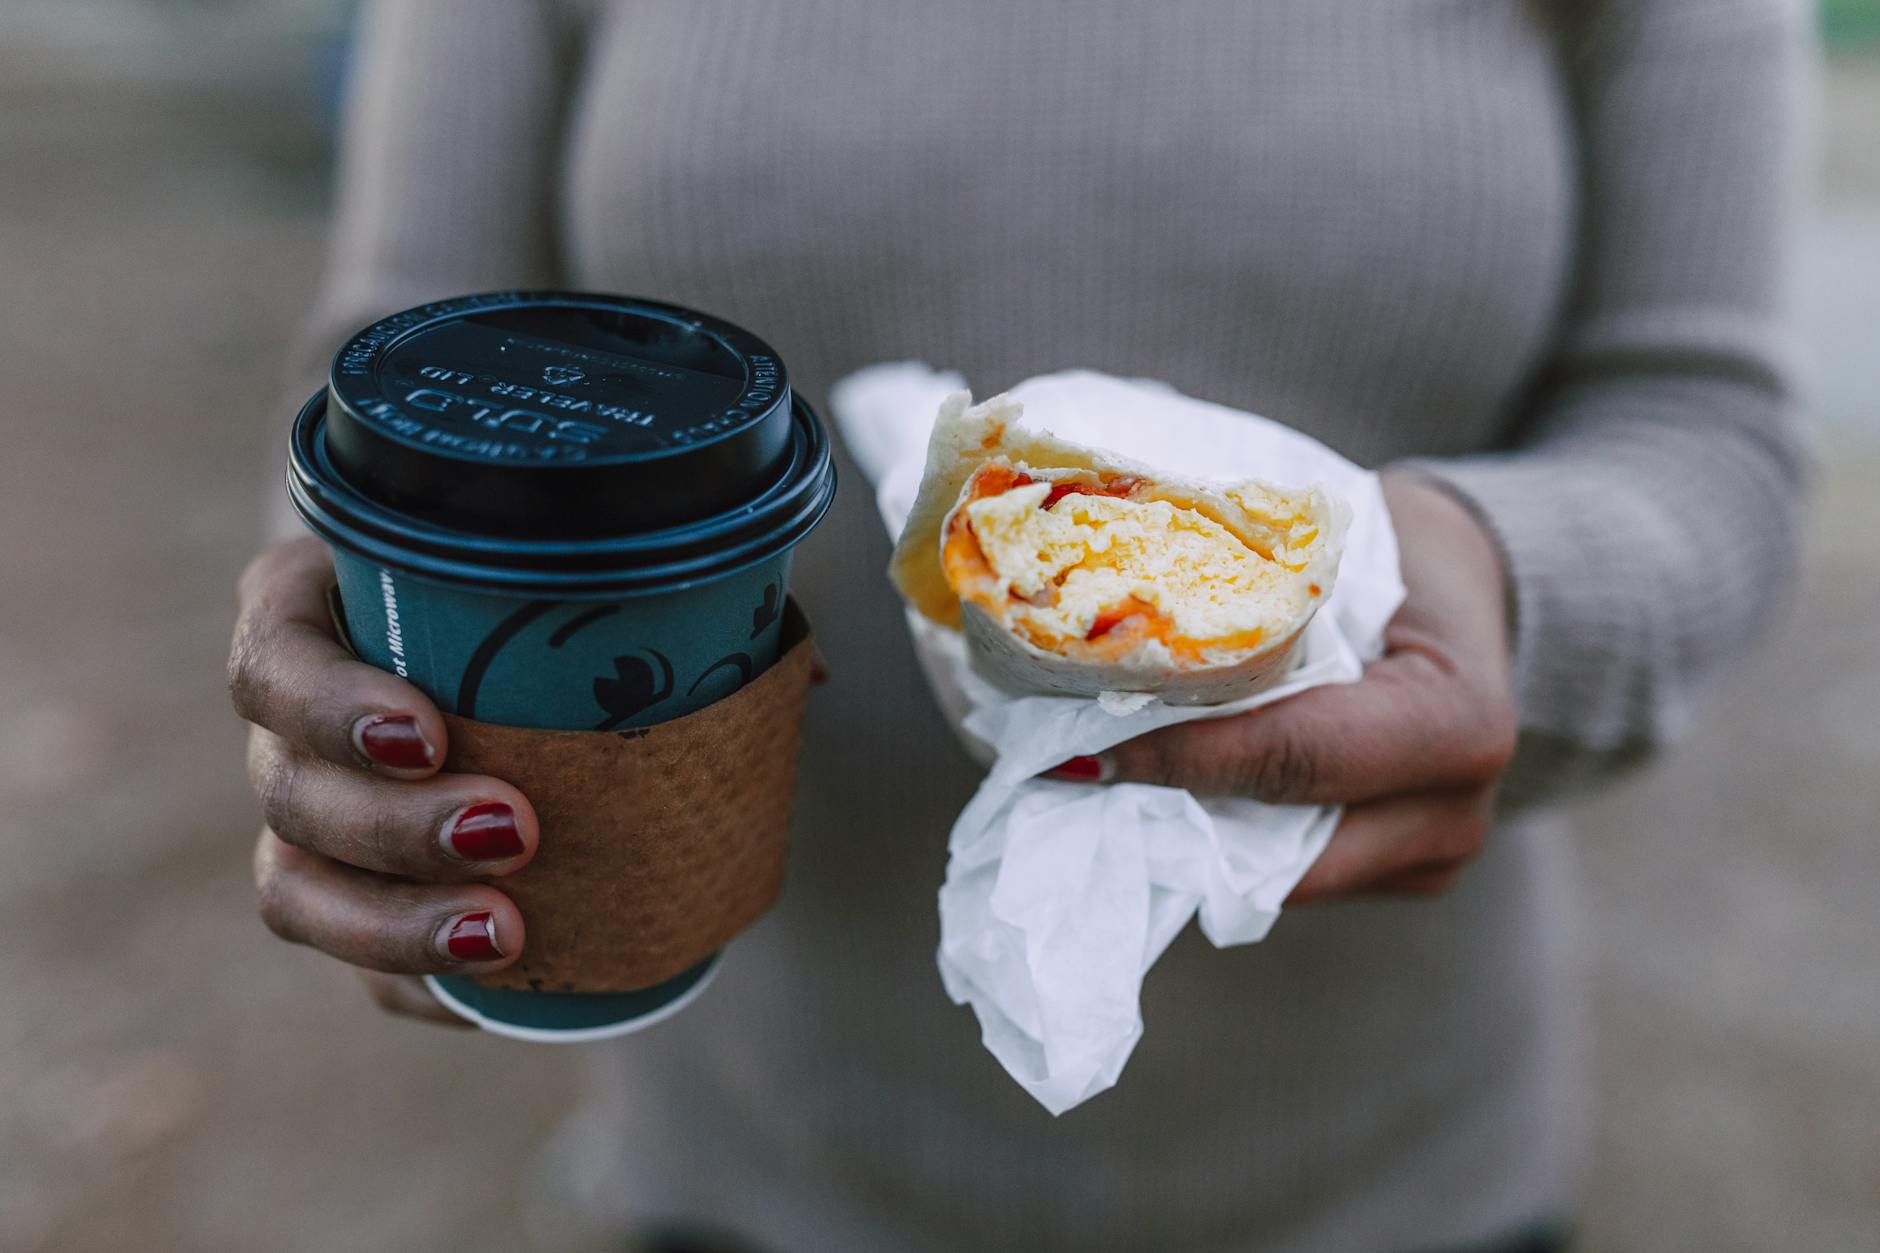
(1075, 571)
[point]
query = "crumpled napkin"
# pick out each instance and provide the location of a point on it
(1060, 896)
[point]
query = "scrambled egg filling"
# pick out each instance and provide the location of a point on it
(1088, 564)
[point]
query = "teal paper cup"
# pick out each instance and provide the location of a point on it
(563, 511)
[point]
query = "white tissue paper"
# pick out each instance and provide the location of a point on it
(1060, 896)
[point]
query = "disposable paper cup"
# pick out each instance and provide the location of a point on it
(562, 511)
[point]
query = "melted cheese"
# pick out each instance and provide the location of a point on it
(1065, 570)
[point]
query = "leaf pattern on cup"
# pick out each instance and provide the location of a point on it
(741, 662)
(634, 687)
(769, 611)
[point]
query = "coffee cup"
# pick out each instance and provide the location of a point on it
(563, 511)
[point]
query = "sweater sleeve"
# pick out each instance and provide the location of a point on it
(1648, 512)
(449, 167)
(449, 162)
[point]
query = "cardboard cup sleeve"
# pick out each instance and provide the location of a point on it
(659, 844)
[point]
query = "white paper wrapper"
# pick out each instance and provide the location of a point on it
(1060, 896)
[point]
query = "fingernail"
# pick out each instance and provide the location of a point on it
(393, 740)
(485, 832)
(472, 938)
(1082, 770)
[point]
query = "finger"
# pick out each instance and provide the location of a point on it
(1409, 724)
(1406, 836)
(381, 923)
(288, 672)
(446, 827)
(406, 996)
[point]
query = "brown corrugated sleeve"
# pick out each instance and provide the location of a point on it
(658, 845)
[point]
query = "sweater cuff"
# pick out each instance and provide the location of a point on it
(1576, 599)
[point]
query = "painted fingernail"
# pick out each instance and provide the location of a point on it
(485, 832)
(1081, 770)
(472, 938)
(393, 740)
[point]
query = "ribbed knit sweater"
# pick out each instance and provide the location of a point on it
(1539, 246)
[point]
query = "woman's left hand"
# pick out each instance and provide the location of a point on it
(1414, 748)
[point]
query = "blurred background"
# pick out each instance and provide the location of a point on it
(173, 1079)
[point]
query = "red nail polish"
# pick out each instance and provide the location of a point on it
(486, 832)
(1078, 769)
(472, 938)
(394, 740)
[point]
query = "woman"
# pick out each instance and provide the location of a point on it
(1527, 255)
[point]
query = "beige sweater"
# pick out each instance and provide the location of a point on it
(1540, 244)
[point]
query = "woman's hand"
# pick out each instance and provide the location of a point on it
(369, 854)
(1414, 748)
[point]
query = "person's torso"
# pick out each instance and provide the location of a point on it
(1355, 218)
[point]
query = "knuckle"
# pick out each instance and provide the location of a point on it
(276, 778)
(390, 843)
(271, 894)
(1491, 743)
(1149, 759)
(1202, 758)
(1284, 769)
(1161, 764)
(244, 667)
(277, 922)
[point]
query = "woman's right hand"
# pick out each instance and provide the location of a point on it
(369, 854)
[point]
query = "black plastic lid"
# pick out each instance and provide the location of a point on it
(560, 442)
(558, 413)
